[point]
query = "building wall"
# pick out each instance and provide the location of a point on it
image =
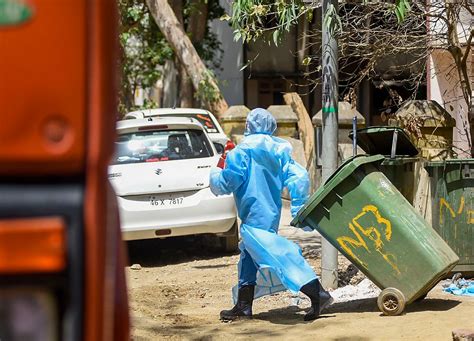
(231, 78)
(439, 26)
(273, 71)
(443, 80)
(276, 70)
(444, 87)
(270, 59)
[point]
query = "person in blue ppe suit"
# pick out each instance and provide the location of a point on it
(256, 172)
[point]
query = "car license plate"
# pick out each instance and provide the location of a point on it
(166, 201)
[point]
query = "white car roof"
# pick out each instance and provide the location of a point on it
(166, 111)
(125, 126)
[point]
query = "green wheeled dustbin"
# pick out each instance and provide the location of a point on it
(452, 195)
(368, 220)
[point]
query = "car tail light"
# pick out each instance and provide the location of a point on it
(228, 147)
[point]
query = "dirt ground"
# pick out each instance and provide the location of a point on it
(183, 284)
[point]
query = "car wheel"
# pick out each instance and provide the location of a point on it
(230, 243)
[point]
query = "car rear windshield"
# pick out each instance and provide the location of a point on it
(204, 119)
(161, 145)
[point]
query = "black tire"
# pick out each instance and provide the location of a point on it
(230, 243)
(391, 302)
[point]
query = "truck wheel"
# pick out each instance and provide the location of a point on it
(391, 301)
(230, 243)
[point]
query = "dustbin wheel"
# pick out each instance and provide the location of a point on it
(391, 301)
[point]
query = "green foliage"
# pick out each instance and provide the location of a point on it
(206, 92)
(209, 49)
(402, 7)
(144, 48)
(264, 19)
(254, 19)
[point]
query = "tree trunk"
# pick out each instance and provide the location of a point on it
(306, 130)
(186, 93)
(170, 88)
(196, 30)
(197, 21)
(185, 51)
(185, 87)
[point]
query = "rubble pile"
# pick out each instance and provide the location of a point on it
(364, 289)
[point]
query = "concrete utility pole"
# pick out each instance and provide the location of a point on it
(330, 128)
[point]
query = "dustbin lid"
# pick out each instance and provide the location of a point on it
(464, 165)
(378, 140)
(341, 173)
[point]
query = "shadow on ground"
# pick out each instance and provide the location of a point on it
(370, 305)
(291, 315)
(432, 304)
(160, 252)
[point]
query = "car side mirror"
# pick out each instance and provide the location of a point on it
(219, 148)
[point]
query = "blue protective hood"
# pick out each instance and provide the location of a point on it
(260, 121)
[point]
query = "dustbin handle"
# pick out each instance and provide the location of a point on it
(354, 136)
(393, 152)
(466, 171)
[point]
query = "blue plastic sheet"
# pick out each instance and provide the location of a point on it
(267, 284)
(256, 172)
(462, 287)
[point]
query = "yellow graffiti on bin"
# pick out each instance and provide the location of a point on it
(345, 241)
(443, 203)
(470, 217)
(372, 233)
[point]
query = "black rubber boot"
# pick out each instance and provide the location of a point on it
(319, 297)
(243, 308)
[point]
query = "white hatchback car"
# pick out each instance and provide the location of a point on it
(207, 119)
(160, 172)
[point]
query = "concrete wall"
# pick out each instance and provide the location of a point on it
(230, 77)
(444, 87)
(439, 26)
(443, 81)
(268, 58)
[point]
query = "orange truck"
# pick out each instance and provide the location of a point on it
(61, 254)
